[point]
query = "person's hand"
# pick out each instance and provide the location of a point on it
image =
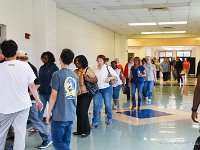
(107, 80)
(129, 84)
(39, 105)
(48, 119)
(86, 77)
(194, 116)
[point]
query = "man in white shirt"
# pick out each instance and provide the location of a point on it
(15, 78)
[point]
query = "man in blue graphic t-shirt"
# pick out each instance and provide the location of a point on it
(62, 102)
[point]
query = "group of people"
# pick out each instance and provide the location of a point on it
(175, 66)
(140, 75)
(27, 92)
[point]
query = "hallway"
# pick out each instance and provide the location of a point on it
(164, 124)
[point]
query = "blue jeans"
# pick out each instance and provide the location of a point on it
(105, 94)
(139, 87)
(61, 134)
(116, 91)
(44, 98)
(37, 123)
(148, 88)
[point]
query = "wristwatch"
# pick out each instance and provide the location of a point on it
(194, 110)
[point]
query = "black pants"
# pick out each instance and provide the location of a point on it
(83, 123)
(179, 77)
(165, 76)
(127, 89)
(157, 74)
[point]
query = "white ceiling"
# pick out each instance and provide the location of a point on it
(116, 14)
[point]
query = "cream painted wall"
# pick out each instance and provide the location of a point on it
(54, 29)
(44, 28)
(121, 48)
(17, 17)
(87, 38)
(138, 51)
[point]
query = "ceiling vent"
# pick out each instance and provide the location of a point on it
(167, 27)
(158, 9)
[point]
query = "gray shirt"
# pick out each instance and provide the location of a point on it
(165, 66)
(65, 82)
(150, 69)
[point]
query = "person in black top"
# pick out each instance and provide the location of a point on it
(179, 68)
(45, 74)
(195, 105)
(33, 114)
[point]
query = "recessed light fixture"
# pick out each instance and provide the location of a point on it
(163, 32)
(154, 23)
(168, 32)
(175, 22)
(151, 32)
(143, 24)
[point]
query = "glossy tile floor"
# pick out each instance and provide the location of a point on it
(172, 131)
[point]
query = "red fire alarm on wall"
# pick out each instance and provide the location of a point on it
(27, 36)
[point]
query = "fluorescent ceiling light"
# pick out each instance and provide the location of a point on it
(168, 32)
(165, 32)
(151, 32)
(176, 22)
(143, 24)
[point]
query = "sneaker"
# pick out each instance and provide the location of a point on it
(146, 98)
(45, 144)
(76, 133)
(133, 108)
(33, 130)
(114, 106)
(108, 122)
(84, 135)
(93, 126)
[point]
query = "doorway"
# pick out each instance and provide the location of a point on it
(130, 55)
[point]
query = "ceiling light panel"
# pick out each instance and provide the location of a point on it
(143, 24)
(177, 22)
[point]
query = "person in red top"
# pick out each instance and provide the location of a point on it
(126, 73)
(119, 66)
(2, 58)
(186, 66)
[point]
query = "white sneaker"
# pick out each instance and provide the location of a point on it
(149, 100)
(114, 106)
(146, 98)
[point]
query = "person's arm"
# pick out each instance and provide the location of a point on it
(52, 101)
(113, 74)
(89, 79)
(161, 69)
(130, 77)
(90, 76)
(144, 73)
(196, 100)
(154, 73)
(34, 92)
(122, 78)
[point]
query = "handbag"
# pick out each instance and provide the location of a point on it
(91, 87)
(112, 81)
